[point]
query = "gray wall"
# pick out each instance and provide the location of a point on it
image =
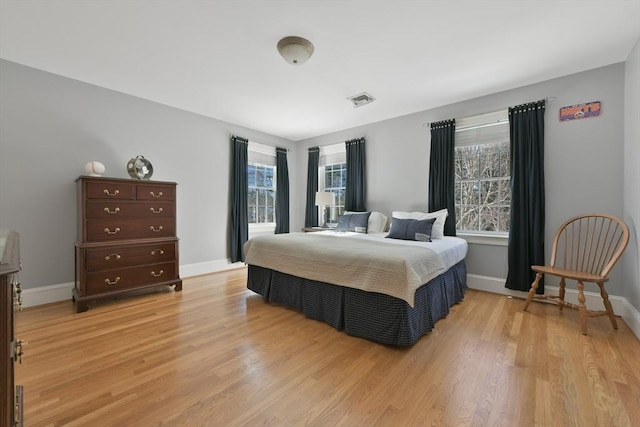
(583, 158)
(631, 191)
(50, 126)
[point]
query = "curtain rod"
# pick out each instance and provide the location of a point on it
(230, 135)
(547, 99)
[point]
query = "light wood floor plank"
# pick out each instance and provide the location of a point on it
(216, 354)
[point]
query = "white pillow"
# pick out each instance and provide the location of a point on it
(437, 231)
(377, 221)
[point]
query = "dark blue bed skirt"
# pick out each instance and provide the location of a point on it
(369, 315)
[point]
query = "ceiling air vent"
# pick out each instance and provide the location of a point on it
(361, 99)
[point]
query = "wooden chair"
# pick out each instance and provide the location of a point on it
(585, 249)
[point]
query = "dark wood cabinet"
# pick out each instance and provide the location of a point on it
(10, 346)
(126, 237)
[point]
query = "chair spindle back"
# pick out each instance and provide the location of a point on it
(590, 243)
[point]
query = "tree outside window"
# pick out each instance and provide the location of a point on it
(483, 193)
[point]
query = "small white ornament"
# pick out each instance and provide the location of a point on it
(94, 168)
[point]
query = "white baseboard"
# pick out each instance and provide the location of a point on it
(46, 294)
(62, 291)
(214, 266)
(632, 318)
(621, 306)
(491, 284)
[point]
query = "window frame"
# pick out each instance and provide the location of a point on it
(259, 188)
(264, 156)
(484, 132)
(338, 208)
(332, 155)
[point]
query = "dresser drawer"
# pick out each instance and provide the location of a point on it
(109, 230)
(112, 190)
(156, 192)
(110, 209)
(129, 256)
(128, 278)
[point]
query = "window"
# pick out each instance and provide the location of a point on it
(482, 173)
(333, 177)
(261, 183)
(335, 181)
(262, 193)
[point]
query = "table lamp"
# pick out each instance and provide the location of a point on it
(325, 199)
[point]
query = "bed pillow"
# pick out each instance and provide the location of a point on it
(437, 232)
(357, 222)
(377, 221)
(411, 229)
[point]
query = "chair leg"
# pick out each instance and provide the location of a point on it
(582, 308)
(607, 305)
(561, 293)
(532, 291)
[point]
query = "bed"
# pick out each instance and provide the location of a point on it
(385, 290)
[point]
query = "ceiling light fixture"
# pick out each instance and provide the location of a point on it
(295, 50)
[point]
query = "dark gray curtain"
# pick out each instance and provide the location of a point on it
(282, 191)
(526, 222)
(355, 191)
(311, 212)
(239, 190)
(442, 172)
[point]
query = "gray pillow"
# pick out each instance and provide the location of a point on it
(411, 229)
(357, 222)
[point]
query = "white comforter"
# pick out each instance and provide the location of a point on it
(368, 262)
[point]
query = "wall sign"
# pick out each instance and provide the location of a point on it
(580, 111)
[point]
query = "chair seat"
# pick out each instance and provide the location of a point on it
(569, 274)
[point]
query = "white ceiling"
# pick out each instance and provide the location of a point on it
(219, 58)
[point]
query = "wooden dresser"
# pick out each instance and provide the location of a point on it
(10, 346)
(126, 237)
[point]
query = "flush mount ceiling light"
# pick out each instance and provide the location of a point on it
(295, 50)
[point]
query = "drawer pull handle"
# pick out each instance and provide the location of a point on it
(152, 194)
(157, 251)
(159, 210)
(108, 257)
(17, 296)
(109, 282)
(153, 273)
(152, 228)
(115, 211)
(17, 350)
(117, 229)
(115, 192)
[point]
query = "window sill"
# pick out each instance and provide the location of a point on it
(485, 239)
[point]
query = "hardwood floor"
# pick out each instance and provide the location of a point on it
(215, 354)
